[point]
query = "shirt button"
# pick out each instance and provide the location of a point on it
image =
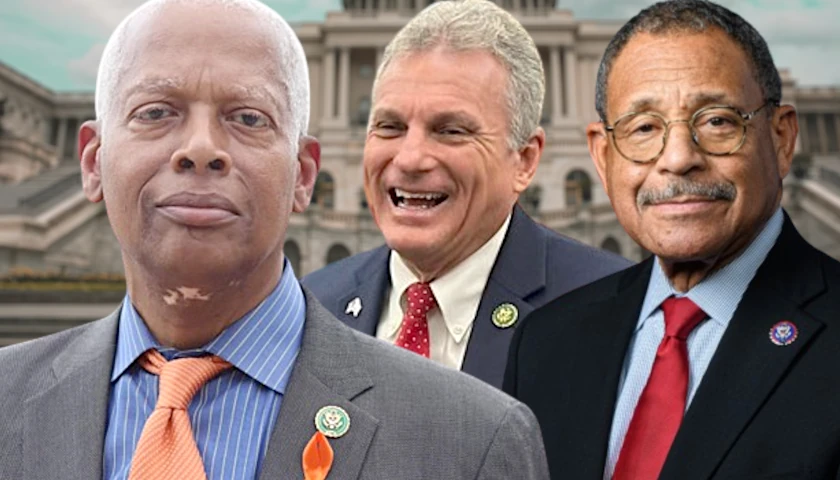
(458, 330)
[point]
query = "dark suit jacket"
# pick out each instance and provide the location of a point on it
(54, 408)
(761, 410)
(535, 265)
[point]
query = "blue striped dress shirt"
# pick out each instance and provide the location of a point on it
(718, 296)
(233, 415)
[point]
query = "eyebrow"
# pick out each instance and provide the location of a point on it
(153, 85)
(455, 116)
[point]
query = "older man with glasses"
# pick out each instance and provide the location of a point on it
(717, 357)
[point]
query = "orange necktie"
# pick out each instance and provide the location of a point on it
(167, 449)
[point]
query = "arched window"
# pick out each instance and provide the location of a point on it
(336, 253)
(363, 203)
(610, 244)
(324, 193)
(292, 252)
(363, 110)
(530, 199)
(578, 189)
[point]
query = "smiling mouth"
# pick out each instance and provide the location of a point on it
(416, 200)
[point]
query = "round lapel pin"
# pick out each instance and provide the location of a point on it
(332, 421)
(783, 333)
(505, 315)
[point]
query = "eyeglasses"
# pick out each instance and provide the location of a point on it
(717, 129)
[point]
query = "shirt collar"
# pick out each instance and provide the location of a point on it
(273, 329)
(718, 294)
(457, 292)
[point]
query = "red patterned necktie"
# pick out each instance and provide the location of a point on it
(414, 332)
(662, 404)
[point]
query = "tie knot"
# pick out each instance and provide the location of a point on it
(681, 316)
(182, 378)
(420, 299)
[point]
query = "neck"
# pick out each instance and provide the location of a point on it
(683, 276)
(188, 314)
(428, 267)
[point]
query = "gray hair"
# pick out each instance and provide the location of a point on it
(462, 25)
(291, 57)
(677, 16)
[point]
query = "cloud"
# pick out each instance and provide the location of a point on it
(91, 17)
(802, 34)
(83, 70)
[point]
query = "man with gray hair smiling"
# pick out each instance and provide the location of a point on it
(218, 365)
(717, 358)
(453, 139)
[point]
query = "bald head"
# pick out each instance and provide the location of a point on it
(148, 24)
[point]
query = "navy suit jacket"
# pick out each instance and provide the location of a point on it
(534, 265)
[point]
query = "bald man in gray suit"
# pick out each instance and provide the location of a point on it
(200, 153)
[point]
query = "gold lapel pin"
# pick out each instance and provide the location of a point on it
(505, 315)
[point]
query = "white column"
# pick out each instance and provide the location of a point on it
(329, 83)
(822, 133)
(75, 134)
(343, 84)
(570, 84)
(586, 83)
(837, 126)
(556, 93)
(61, 139)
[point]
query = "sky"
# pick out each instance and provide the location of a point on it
(58, 43)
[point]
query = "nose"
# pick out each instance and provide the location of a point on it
(202, 152)
(413, 155)
(681, 154)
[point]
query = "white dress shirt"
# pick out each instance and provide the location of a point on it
(458, 294)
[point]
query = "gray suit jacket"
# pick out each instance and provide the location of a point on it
(410, 419)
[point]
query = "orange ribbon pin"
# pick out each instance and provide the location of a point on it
(317, 458)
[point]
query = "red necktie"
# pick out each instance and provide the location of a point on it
(414, 333)
(662, 404)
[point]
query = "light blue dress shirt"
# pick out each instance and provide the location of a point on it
(718, 296)
(233, 415)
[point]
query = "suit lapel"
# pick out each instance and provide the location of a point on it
(597, 342)
(518, 273)
(328, 371)
(64, 425)
(747, 366)
(371, 289)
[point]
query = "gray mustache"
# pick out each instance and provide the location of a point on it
(712, 191)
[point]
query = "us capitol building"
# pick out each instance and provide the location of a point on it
(46, 224)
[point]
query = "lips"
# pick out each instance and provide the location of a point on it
(198, 209)
(402, 198)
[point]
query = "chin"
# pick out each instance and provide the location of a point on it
(412, 244)
(686, 250)
(195, 266)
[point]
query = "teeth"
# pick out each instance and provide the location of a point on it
(417, 196)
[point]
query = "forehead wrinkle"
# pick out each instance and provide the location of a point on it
(688, 101)
(170, 85)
